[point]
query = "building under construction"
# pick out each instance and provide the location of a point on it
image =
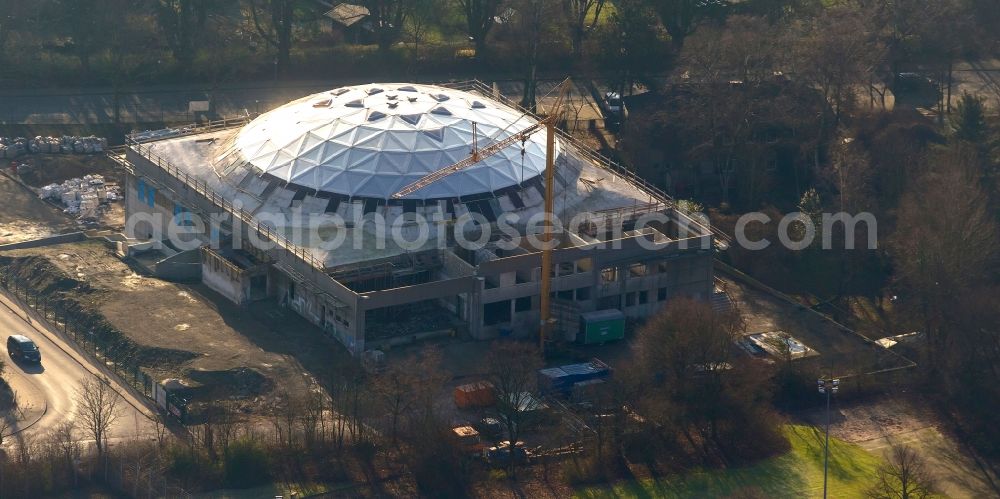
(329, 204)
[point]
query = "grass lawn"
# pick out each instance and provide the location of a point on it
(797, 473)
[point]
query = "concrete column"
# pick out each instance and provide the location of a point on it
(356, 336)
(474, 302)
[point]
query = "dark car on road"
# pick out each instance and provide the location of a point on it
(21, 348)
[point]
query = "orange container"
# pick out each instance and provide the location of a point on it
(479, 394)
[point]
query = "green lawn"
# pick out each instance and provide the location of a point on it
(797, 473)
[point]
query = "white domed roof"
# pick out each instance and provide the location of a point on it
(372, 140)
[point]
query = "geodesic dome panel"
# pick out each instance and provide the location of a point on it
(370, 141)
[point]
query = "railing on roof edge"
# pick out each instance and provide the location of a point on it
(201, 187)
(601, 160)
(192, 129)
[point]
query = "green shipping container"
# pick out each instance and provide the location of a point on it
(601, 326)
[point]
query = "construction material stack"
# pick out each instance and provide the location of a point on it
(82, 196)
(560, 381)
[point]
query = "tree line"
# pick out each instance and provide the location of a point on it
(811, 108)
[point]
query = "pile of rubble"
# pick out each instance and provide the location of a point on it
(82, 196)
(68, 144)
(12, 148)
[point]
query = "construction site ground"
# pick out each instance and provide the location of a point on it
(25, 216)
(840, 352)
(189, 332)
(48, 168)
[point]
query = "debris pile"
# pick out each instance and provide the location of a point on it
(82, 196)
(68, 144)
(12, 148)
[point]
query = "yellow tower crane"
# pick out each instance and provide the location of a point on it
(549, 123)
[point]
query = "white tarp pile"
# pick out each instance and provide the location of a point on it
(12, 148)
(82, 196)
(68, 144)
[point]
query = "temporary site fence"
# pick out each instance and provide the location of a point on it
(95, 337)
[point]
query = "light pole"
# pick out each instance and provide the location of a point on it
(827, 386)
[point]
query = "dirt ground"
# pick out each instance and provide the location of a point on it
(191, 333)
(840, 352)
(24, 216)
(902, 420)
(48, 168)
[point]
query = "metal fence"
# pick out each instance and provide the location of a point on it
(265, 232)
(93, 335)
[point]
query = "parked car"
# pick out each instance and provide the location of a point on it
(614, 102)
(19, 347)
(615, 108)
(915, 83)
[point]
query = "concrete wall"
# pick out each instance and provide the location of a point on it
(72, 237)
(666, 270)
(673, 268)
(170, 190)
(138, 189)
(340, 321)
(222, 277)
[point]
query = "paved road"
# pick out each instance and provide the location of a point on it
(50, 389)
(170, 103)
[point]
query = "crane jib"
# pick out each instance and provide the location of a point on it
(476, 156)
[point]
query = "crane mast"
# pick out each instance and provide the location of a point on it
(477, 155)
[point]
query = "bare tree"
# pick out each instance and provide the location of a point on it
(313, 419)
(408, 387)
(183, 24)
(394, 389)
(427, 385)
(577, 12)
(736, 100)
(388, 18)
(693, 388)
(277, 28)
(25, 454)
(904, 476)
(18, 17)
(945, 205)
(480, 16)
(529, 28)
(285, 416)
(424, 14)
(10, 416)
(631, 46)
(66, 447)
(89, 24)
(838, 54)
(98, 409)
(681, 17)
(512, 368)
